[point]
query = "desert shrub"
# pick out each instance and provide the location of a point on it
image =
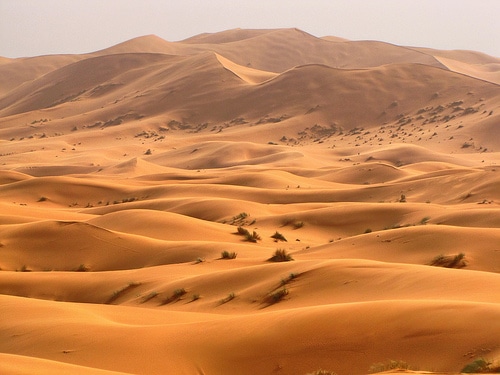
(278, 237)
(176, 295)
(149, 297)
(228, 255)
(391, 365)
(229, 297)
(278, 295)
(481, 365)
(424, 220)
(42, 199)
(242, 231)
(368, 230)
(82, 268)
(298, 224)
(252, 237)
(281, 255)
(322, 372)
(290, 277)
(195, 297)
(449, 261)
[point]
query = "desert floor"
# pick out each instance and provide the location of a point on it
(145, 188)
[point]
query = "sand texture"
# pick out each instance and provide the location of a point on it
(148, 189)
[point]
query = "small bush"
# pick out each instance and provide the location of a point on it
(227, 255)
(229, 297)
(278, 295)
(481, 365)
(391, 365)
(298, 224)
(82, 268)
(252, 237)
(449, 261)
(322, 372)
(280, 255)
(278, 237)
(42, 199)
(176, 295)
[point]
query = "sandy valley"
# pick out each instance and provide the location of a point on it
(249, 202)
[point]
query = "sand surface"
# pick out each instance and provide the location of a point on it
(127, 173)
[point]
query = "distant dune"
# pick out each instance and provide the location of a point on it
(250, 202)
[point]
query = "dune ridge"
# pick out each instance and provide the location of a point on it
(147, 190)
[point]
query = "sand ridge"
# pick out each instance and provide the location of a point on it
(145, 188)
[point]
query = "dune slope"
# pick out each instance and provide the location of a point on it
(251, 202)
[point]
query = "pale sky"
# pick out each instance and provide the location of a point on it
(40, 27)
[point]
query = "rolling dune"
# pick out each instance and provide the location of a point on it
(148, 189)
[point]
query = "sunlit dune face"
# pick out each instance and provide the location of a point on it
(251, 202)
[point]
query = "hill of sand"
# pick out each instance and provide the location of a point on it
(145, 188)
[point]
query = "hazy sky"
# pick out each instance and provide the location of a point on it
(37, 27)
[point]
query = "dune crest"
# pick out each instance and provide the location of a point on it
(251, 202)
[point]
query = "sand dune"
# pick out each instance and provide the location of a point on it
(145, 189)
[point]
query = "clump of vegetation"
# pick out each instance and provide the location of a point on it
(402, 198)
(298, 224)
(229, 297)
(228, 255)
(195, 297)
(199, 260)
(281, 255)
(278, 295)
(481, 366)
(424, 220)
(42, 199)
(322, 372)
(391, 365)
(118, 293)
(82, 268)
(290, 277)
(278, 237)
(176, 295)
(149, 297)
(449, 261)
(250, 237)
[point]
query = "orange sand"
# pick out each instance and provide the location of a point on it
(125, 174)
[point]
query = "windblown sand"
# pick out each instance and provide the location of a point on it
(126, 173)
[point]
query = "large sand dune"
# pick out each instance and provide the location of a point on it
(129, 177)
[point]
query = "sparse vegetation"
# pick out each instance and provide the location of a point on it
(278, 237)
(228, 255)
(481, 366)
(278, 295)
(229, 297)
(390, 365)
(281, 255)
(449, 261)
(250, 237)
(175, 296)
(42, 199)
(149, 297)
(322, 372)
(82, 268)
(298, 224)
(118, 293)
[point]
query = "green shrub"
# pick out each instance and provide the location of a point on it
(449, 261)
(391, 365)
(322, 372)
(227, 255)
(481, 365)
(280, 255)
(278, 237)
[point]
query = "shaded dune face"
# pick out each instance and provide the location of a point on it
(251, 202)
